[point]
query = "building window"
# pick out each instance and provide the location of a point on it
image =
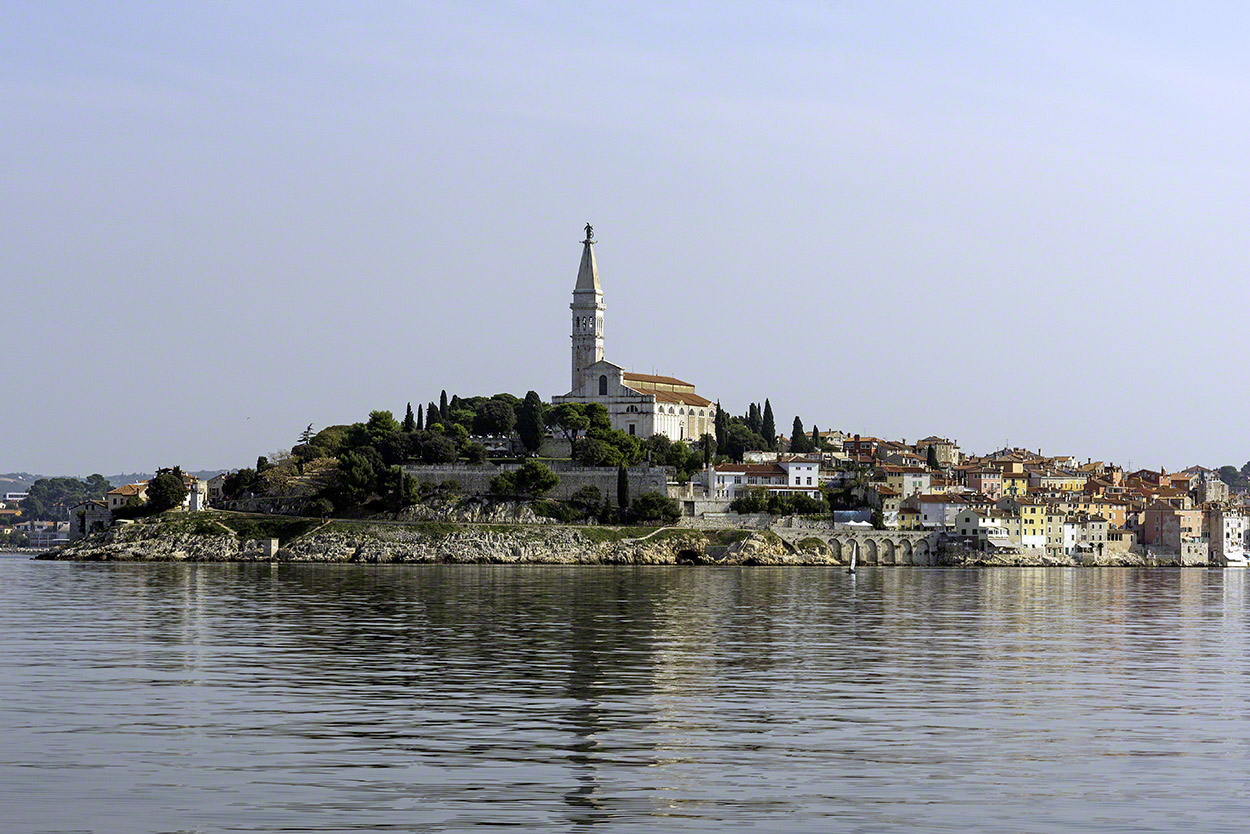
(603, 385)
(632, 429)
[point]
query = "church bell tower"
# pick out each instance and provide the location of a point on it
(587, 310)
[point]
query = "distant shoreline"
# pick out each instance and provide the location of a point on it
(200, 538)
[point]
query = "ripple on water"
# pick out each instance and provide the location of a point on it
(337, 698)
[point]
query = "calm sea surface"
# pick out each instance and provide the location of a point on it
(165, 697)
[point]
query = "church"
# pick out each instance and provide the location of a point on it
(640, 404)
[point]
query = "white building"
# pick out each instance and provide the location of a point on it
(785, 477)
(1084, 534)
(1227, 530)
(640, 404)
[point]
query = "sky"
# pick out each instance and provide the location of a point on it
(222, 222)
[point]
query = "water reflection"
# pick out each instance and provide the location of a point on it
(331, 698)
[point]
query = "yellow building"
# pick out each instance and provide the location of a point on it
(909, 519)
(1015, 483)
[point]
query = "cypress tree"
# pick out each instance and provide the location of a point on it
(755, 422)
(815, 438)
(798, 438)
(432, 416)
(442, 406)
(769, 426)
(622, 490)
(420, 418)
(722, 426)
(410, 420)
(530, 422)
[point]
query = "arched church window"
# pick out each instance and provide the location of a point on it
(603, 385)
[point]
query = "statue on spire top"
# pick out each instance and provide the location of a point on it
(590, 234)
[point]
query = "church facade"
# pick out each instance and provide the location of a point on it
(639, 404)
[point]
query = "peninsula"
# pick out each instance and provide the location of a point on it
(633, 468)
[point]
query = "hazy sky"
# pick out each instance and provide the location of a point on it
(222, 222)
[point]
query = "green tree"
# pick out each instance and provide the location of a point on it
(167, 490)
(410, 421)
(595, 451)
(434, 447)
(410, 492)
(755, 421)
(722, 427)
(597, 416)
(420, 419)
(494, 417)
(503, 485)
(357, 479)
(474, 453)
(740, 439)
(238, 483)
(442, 405)
(654, 507)
(878, 519)
(753, 500)
(708, 444)
(262, 464)
(587, 497)
(815, 439)
(622, 488)
(1229, 475)
(768, 426)
(798, 438)
(931, 457)
(569, 418)
(432, 416)
(535, 479)
(306, 435)
(530, 421)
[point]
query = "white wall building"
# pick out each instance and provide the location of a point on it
(730, 480)
(1227, 531)
(640, 404)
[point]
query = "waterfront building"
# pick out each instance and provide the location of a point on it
(1226, 535)
(786, 477)
(118, 497)
(640, 404)
(1084, 533)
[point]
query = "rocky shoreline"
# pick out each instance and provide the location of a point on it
(539, 544)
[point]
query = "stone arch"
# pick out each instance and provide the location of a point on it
(868, 552)
(905, 552)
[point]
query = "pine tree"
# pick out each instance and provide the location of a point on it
(769, 426)
(442, 407)
(420, 418)
(410, 421)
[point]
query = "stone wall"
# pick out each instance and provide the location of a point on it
(475, 479)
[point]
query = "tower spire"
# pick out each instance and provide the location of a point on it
(587, 309)
(588, 272)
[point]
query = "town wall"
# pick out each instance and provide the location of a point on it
(475, 479)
